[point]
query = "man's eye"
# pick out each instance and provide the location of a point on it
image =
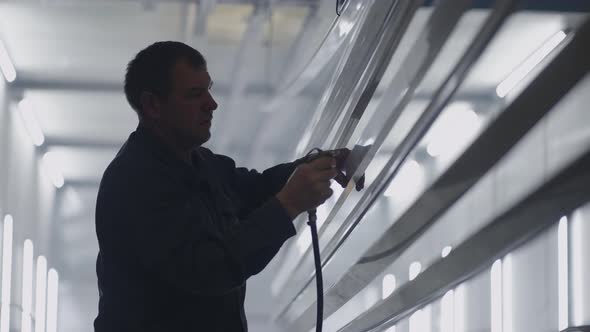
(196, 94)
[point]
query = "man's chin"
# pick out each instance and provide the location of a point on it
(203, 138)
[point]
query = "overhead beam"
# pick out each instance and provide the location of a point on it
(97, 86)
(535, 5)
(82, 143)
(69, 85)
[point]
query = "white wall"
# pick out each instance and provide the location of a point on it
(26, 194)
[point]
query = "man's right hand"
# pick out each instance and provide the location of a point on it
(309, 186)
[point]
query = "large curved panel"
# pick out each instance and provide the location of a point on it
(342, 214)
(401, 91)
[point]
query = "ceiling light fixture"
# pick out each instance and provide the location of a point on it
(6, 273)
(52, 300)
(41, 294)
(49, 164)
(25, 109)
(27, 287)
(6, 65)
(455, 126)
(446, 251)
(529, 64)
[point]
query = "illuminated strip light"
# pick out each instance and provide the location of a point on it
(408, 181)
(6, 65)
(447, 314)
(426, 321)
(446, 251)
(416, 322)
(460, 309)
(52, 297)
(452, 316)
(27, 291)
(414, 271)
(457, 125)
(562, 271)
(40, 300)
(25, 109)
(50, 164)
(389, 285)
(420, 321)
(527, 66)
(496, 296)
(6, 273)
(579, 264)
(507, 294)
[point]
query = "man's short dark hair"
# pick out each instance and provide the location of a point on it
(151, 69)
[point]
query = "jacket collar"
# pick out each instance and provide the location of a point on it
(163, 151)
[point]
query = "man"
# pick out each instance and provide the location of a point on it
(181, 229)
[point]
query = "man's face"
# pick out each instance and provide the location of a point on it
(187, 112)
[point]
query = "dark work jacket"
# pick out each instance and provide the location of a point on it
(178, 242)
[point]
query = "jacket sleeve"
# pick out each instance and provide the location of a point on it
(255, 188)
(169, 235)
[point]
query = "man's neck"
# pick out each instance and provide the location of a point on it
(181, 151)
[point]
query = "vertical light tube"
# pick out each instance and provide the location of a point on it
(52, 297)
(414, 270)
(30, 122)
(6, 65)
(27, 290)
(529, 64)
(446, 251)
(426, 320)
(416, 321)
(507, 294)
(562, 271)
(578, 266)
(459, 309)
(5, 318)
(496, 296)
(6, 273)
(388, 286)
(447, 312)
(50, 167)
(41, 291)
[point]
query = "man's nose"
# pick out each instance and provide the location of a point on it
(213, 103)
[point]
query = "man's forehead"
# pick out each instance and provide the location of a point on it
(188, 75)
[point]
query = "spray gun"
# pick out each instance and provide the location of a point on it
(346, 165)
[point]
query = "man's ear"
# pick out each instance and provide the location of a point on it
(150, 105)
